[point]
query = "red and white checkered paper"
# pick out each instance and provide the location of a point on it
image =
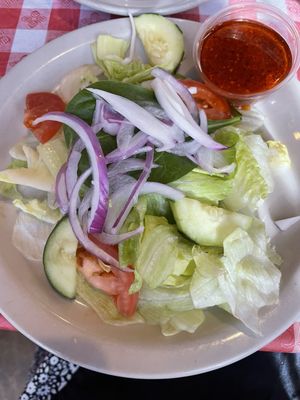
(26, 25)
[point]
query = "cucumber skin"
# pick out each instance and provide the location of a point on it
(53, 232)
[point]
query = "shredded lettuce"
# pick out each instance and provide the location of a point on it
(172, 322)
(187, 321)
(171, 298)
(110, 48)
(204, 187)
(150, 204)
(171, 308)
(133, 72)
(54, 154)
(245, 279)
(30, 236)
(129, 249)
(163, 252)
(157, 205)
(109, 53)
(252, 181)
(205, 284)
(36, 175)
(39, 209)
(9, 190)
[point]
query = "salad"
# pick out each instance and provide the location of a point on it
(141, 191)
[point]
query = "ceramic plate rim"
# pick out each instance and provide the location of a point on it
(125, 10)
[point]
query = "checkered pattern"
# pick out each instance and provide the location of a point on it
(26, 25)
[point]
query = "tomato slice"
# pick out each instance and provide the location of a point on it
(38, 104)
(108, 248)
(215, 106)
(115, 283)
(126, 303)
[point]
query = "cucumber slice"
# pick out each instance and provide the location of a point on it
(207, 225)
(162, 40)
(59, 259)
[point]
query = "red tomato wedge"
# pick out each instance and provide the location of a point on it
(115, 283)
(215, 106)
(110, 249)
(38, 104)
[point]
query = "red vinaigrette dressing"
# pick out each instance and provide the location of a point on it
(244, 57)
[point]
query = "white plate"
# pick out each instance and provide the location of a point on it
(141, 6)
(71, 330)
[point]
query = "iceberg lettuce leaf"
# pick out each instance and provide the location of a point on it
(243, 280)
(171, 298)
(252, 280)
(133, 72)
(30, 236)
(109, 53)
(157, 205)
(39, 209)
(207, 188)
(163, 252)
(36, 175)
(54, 154)
(205, 284)
(110, 48)
(252, 181)
(9, 190)
(187, 321)
(172, 322)
(128, 249)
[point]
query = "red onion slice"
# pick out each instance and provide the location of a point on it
(138, 141)
(106, 118)
(131, 164)
(97, 116)
(116, 239)
(72, 166)
(116, 183)
(111, 120)
(134, 193)
(179, 114)
(85, 204)
(99, 202)
(142, 150)
(121, 188)
(180, 89)
(163, 190)
(203, 121)
(183, 149)
(159, 113)
(88, 244)
(61, 196)
(128, 59)
(206, 159)
(139, 117)
(125, 135)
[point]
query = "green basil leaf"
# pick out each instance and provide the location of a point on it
(170, 167)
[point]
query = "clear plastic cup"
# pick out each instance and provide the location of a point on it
(268, 15)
